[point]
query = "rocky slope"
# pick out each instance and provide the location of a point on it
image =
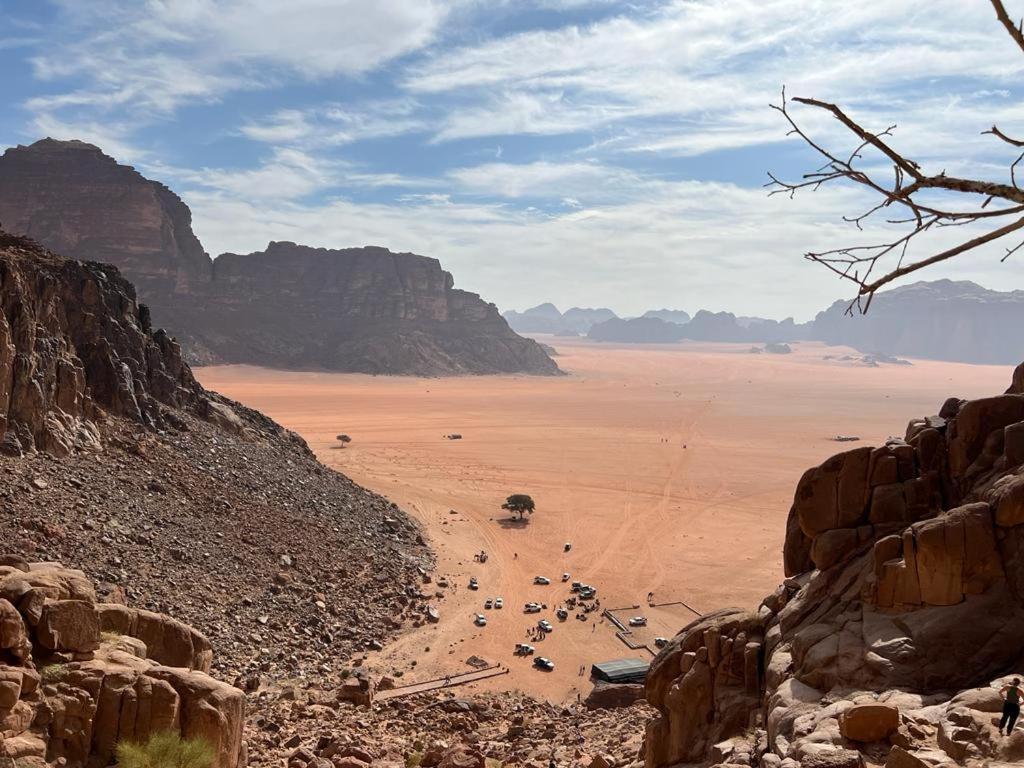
(178, 500)
(363, 309)
(78, 677)
(901, 616)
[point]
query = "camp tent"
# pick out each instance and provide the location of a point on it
(621, 670)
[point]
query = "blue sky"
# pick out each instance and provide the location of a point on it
(584, 152)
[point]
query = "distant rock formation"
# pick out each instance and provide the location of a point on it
(79, 677)
(360, 309)
(637, 330)
(677, 316)
(938, 320)
(704, 326)
(900, 618)
(546, 318)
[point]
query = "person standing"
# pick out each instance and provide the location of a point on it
(1012, 697)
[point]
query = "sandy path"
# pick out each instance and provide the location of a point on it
(670, 469)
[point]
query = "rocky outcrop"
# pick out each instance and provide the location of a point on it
(360, 309)
(73, 685)
(901, 616)
(74, 346)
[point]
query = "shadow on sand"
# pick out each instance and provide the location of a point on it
(513, 522)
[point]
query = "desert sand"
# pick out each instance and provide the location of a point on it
(670, 469)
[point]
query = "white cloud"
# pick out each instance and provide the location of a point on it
(159, 55)
(688, 244)
(335, 124)
(697, 75)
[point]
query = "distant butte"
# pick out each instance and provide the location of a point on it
(364, 310)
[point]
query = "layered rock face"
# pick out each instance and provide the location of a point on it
(362, 309)
(77, 677)
(359, 309)
(902, 613)
(74, 344)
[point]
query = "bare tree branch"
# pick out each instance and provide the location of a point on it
(910, 190)
(1015, 31)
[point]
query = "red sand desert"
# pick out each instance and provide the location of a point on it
(670, 469)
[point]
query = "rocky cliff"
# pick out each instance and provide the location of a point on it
(75, 345)
(373, 311)
(901, 616)
(361, 309)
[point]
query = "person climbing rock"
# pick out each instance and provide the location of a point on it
(1012, 696)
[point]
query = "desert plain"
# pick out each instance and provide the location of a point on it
(670, 470)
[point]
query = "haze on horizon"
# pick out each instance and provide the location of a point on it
(582, 152)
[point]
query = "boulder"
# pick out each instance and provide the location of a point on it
(869, 722)
(614, 695)
(69, 625)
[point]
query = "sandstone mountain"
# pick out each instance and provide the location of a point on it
(939, 320)
(900, 618)
(361, 309)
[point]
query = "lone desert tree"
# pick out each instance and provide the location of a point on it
(917, 202)
(519, 503)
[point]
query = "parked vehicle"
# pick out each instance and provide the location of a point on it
(566, 577)
(473, 584)
(562, 614)
(488, 604)
(576, 586)
(660, 642)
(638, 621)
(524, 649)
(499, 603)
(480, 620)
(545, 625)
(546, 664)
(541, 580)
(568, 546)
(531, 608)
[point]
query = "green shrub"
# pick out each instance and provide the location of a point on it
(165, 750)
(413, 759)
(53, 673)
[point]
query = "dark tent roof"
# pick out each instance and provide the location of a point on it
(621, 670)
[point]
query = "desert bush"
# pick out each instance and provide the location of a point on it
(413, 759)
(165, 750)
(53, 673)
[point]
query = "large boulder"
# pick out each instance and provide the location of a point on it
(869, 722)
